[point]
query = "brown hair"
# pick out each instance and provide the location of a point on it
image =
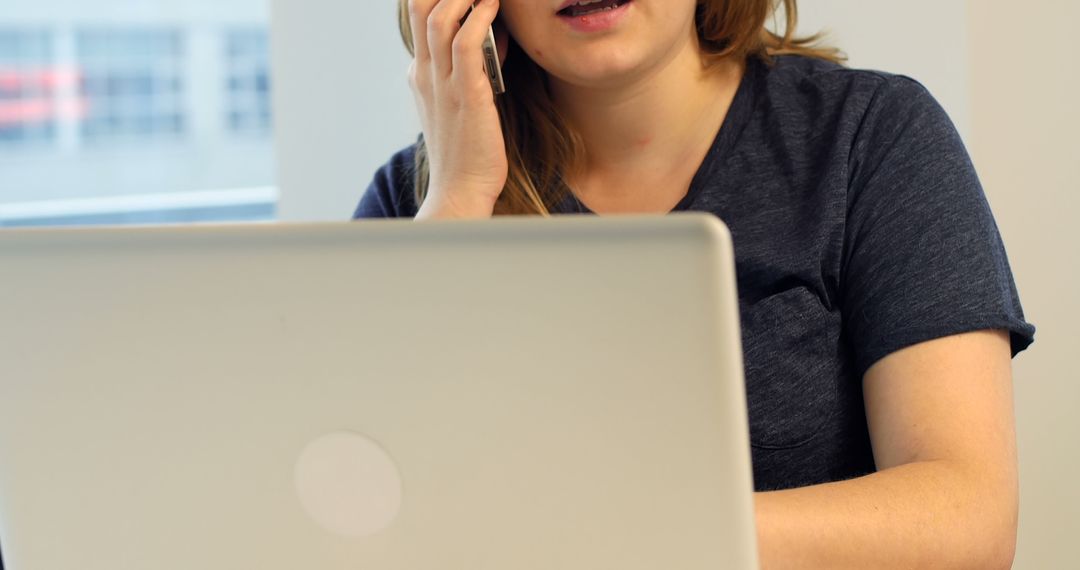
(539, 144)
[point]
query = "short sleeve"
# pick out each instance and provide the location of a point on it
(923, 257)
(390, 194)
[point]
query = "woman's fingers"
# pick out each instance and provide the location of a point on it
(419, 10)
(467, 47)
(462, 131)
(443, 25)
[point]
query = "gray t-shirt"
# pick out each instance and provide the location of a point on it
(860, 228)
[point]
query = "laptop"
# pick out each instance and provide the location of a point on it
(530, 394)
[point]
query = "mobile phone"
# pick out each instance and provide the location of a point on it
(492, 65)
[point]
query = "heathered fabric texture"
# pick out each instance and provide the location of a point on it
(860, 228)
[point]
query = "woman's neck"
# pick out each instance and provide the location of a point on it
(657, 127)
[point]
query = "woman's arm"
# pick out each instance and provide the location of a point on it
(946, 495)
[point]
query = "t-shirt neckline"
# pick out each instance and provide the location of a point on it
(734, 122)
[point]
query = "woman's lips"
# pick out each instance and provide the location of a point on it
(597, 21)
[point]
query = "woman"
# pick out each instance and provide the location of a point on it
(878, 307)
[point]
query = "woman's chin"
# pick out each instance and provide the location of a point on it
(598, 72)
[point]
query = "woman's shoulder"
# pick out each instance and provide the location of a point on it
(802, 70)
(827, 83)
(391, 193)
(800, 98)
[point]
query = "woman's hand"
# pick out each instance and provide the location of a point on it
(466, 150)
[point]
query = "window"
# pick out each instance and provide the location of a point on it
(27, 79)
(132, 85)
(247, 82)
(153, 112)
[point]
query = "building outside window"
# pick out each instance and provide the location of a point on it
(132, 81)
(247, 85)
(111, 115)
(27, 86)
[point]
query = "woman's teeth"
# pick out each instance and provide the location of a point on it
(586, 7)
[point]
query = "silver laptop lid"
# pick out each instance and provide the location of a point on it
(527, 394)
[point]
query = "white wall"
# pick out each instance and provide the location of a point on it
(1025, 81)
(342, 101)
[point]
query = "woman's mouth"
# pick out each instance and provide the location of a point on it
(589, 7)
(590, 16)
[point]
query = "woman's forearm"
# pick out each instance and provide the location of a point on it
(934, 514)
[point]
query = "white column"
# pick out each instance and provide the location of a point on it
(204, 77)
(66, 96)
(341, 101)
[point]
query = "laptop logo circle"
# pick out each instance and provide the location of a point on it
(348, 484)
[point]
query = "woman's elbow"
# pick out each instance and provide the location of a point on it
(1004, 550)
(987, 507)
(997, 522)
